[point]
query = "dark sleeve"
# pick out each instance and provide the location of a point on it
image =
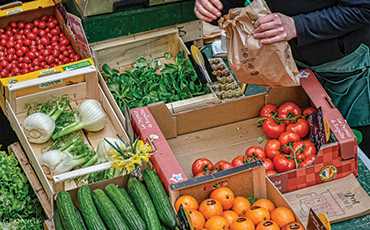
(335, 21)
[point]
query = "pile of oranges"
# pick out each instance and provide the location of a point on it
(223, 210)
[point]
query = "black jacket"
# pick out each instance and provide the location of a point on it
(326, 29)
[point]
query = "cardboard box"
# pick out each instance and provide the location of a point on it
(28, 12)
(121, 54)
(247, 180)
(224, 131)
(79, 92)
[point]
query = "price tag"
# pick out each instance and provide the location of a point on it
(319, 128)
(314, 223)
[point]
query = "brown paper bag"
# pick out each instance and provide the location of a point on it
(252, 62)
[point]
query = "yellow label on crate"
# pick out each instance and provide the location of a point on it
(324, 219)
(327, 129)
(25, 7)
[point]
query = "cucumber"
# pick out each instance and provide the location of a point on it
(109, 213)
(80, 218)
(165, 210)
(88, 210)
(143, 203)
(67, 212)
(57, 221)
(127, 209)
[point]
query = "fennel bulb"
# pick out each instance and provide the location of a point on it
(55, 162)
(104, 148)
(39, 126)
(90, 116)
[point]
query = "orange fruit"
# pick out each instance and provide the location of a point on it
(188, 202)
(197, 218)
(293, 226)
(224, 195)
(257, 214)
(230, 216)
(267, 225)
(282, 216)
(216, 223)
(241, 205)
(265, 203)
(210, 208)
(242, 223)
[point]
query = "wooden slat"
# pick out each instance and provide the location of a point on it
(32, 178)
(48, 224)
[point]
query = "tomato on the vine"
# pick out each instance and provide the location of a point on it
(289, 110)
(269, 165)
(271, 172)
(222, 165)
(272, 148)
(268, 111)
(300, 126)
(303, 149)
(255, 152)
(199, 164)
(273, 129)
(308, 161)
(239, 160)
(284, 163)
(308, 111)
(288, 138)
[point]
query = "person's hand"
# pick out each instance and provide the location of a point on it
(274, 27)
(208, 10)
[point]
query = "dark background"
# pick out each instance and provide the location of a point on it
(7, 134)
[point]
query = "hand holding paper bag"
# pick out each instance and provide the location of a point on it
(251, 61)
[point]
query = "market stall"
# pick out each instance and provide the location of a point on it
(141, 124)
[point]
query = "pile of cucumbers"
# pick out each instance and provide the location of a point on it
(143, 206)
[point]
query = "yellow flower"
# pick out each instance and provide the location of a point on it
(113, 153)
(130, 166)
(144, 148)
(146, 157)
(136, 158)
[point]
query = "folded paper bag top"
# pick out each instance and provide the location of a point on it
(251, 61)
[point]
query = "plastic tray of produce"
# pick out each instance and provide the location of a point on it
(226, 88)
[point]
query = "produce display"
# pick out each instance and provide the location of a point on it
(288, 147)
(27, 47)
(226, 88)
(143, 205)
(19, 206)
(224, 210)
(148, 83)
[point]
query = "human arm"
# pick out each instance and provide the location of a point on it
(327, 23)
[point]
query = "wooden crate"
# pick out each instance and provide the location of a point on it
(121, 53)
(79, 92)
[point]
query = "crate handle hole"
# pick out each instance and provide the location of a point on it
(11, 5)
(216, 185)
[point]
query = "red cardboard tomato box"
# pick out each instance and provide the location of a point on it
(225, 131)
(59, 29)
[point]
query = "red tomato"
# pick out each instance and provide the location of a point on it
(42, 25)
(199, 164)
(289, 109)
(55, 31)
(31, 36)
(308, 111)
(239, 160)
(271, 172)
(44, 18)
(283, 163)
(45, 40)
(28, 26)
(308, 161)
(50, 59)
(21, 24)
(268, 111)
(255, 152)
(288, 138)
(63, 42)
(272, 129)
(301, 127)
(272, 148)
(269, 165)
(222, 165)
(303, 149)
(50, 25)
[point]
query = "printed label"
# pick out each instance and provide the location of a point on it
(79, 65)
(328, 173)
(14, 11)
(50, 83)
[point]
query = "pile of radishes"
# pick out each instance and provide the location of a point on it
(27, 47)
